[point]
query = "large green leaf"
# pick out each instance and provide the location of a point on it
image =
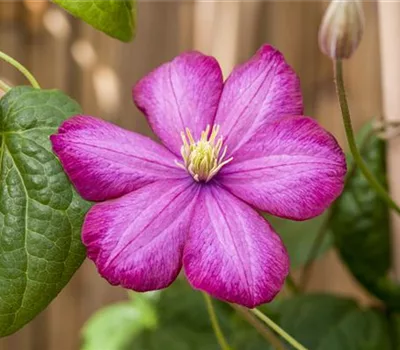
(114, 327)
(40, 214)
(299, 237)
(326, 322)
(114, 17)
(360, 224)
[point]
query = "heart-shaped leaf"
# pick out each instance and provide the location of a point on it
(114, 17)
(40, 213)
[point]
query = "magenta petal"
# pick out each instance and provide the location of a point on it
(232, 253)
(262, 90)
(104, 161)
(136, 241)
(292, 168)
(180, 94)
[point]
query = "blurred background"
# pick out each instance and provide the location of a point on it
(99, 72)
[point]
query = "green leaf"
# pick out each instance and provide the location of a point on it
(326, 322)
(114, 327)
(114, 17)
(299, 237)
(360, 223)
(40, 213)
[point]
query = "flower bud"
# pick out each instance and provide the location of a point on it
(341, 29)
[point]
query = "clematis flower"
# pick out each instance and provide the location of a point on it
(228, 150)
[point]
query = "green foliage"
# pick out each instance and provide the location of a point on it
(319, 322)
(116, 18)
(113, 327)
(360, 224)
(299, 237)
(40, 213)
(326, 322)
(182, 324)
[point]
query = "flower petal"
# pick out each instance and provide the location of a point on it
(292, 168)
(262, 90)
(232, 253)
(104, 161)
(136, 241)
(180, 94)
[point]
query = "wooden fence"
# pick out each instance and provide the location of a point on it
(98, 71)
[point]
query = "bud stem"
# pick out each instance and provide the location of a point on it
(374, 183)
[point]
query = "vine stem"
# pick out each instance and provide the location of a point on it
(215, 324)
(374, 183)
(28, 75)
(278, 329)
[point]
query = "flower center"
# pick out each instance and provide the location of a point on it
(203, 159)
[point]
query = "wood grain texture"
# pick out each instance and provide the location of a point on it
(389, 13)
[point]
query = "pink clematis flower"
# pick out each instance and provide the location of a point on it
(228, 150)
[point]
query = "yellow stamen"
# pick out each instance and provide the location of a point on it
(202, 159)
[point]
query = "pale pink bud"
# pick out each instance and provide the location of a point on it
(341, 29)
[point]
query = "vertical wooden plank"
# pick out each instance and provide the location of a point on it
(249, 35)
(389, 24)
(292, 27)
(216, 29)
(224, 39)
(362, 71)
(204, 25)
(186, 14)
(158, 40)
(11, 39)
